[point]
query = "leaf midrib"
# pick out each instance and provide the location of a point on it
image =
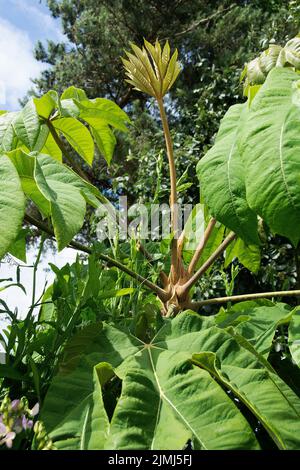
(163, 396)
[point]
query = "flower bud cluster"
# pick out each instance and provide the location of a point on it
(15, 417)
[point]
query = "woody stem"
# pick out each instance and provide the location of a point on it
(185, 288)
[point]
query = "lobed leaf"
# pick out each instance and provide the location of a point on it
(270, 145)
(173, 389)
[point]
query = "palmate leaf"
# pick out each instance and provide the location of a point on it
(222, 180)
(100, 114)
(12, 204)
(176, 400)
(28, 131)
(270, 146)
(172, 390)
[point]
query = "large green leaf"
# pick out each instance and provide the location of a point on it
(12, 204)
(173, 389)
(177, 401)
(270, 146)
(243, 372)
(27, 125)
(221, 174)
(78, 137)
(61, 187)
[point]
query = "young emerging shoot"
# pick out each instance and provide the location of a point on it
(151, 69)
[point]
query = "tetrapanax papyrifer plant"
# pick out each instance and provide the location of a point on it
(156, 382)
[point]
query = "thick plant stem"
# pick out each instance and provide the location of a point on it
(244, 297)
(201, 246)
(183, 290)
(173, 195)
(163, 296)
(65, 152)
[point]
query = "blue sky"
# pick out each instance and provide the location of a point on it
(22, 23)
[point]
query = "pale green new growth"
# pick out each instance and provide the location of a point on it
(151, 69)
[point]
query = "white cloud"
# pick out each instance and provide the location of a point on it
(17, 65)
